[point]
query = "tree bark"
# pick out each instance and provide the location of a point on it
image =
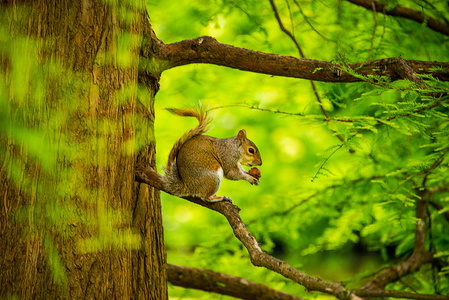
(73, 222)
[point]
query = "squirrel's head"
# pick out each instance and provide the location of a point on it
(250, 155)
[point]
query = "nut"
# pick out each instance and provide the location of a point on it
(255, 172)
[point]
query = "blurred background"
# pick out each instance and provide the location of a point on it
(331, 213)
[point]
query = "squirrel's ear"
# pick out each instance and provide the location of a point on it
(241, 135)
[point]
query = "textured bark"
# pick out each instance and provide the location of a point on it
(86, 192)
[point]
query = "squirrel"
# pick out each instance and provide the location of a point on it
(197, 163)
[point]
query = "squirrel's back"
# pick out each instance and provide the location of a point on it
(203, 122)
(187, 162)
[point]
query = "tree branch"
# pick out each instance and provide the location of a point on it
(208, 50)
(223, 284)
(406, 72)
(285, 30)
(146, 174)
(258, 257)
(210, 281)
(405, 12)
(398, 294)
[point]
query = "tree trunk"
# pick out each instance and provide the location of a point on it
(73, 222)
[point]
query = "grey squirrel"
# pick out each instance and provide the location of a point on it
(197, 163)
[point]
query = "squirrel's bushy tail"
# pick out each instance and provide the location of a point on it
(201, 115)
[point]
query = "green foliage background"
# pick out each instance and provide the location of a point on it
(339, 215)
(358, 213)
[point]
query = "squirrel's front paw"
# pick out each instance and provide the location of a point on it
(254, 181)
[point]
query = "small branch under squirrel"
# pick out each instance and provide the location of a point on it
(146, 174)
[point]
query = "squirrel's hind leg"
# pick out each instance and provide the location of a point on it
(215, 198)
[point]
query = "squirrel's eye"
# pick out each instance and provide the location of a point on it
(251, 150)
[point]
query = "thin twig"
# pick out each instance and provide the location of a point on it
(311, 25)
(380, 121)
(325, 161)
(285, 30)
(257, 108)
(405, 12)
(301, 54)
(374, 30)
